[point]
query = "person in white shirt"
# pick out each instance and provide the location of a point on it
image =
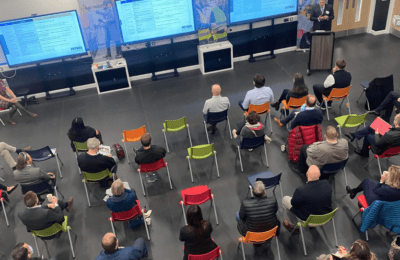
(215, 104)
(257, 96)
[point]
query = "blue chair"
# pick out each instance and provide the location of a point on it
(332, 168)
(214, 118)
(251, 143)
(44, 154)
(269, 180)
(41, 188)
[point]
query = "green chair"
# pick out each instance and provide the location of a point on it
(349, 121)
(175, 126)
(316, 221)
(80, 147)
(95, 177)
(200, 152)
(54, 229)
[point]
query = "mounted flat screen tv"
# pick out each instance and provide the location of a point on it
(41, 38)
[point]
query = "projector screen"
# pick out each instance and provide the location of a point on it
(242, 11)
(41, 38)
(143, 20)
(210, 14)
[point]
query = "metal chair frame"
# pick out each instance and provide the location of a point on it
(215, 158)
(141, 129)
(337, 98)
(4, 208)
(247, 239)
(212, 255)
(243, 145)
(140, 170)
(392, 151)
(335, 170)
(268, 184)
(290, 106)
(165, 129)
(266, 111)
(365, 86)
(85, 180)
(223, 117)
(8, 109)
(52, 153)
(46, 185)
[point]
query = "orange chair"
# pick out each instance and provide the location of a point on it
(132, 136)
(293, 103)
(337, 94)
(261, 110)
(259, 238)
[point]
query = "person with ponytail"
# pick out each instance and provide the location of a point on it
(81, 133)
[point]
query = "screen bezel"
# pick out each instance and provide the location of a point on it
(50, 59)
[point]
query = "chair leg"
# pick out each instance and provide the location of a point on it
(37, 247)
(147, 228)
(356, 215)
(205, 128)
(266, 157)
(19, 112)
(112, 226)
(360, 95)
(369, 161)
(87, 194)
(327, 109)
(345, 175)
(58, 165)
(379, 165)
(277, 248)
(141, 182)
(216, 162)
(340, 131)
(184, 213)
(270, 123)
(165, 138)
(215, 208)
(190, 138)
(190, 168)
(169, 177)
(348, 102)
(247, 193)
(334, 231)
(244, 255)
(2, 122)
(302, 237)
(369, 109)
(240, 159)
(341, 103)
(229, 127)
(70, 242)
(220, 254)
(126, 151)
(280, 186)
(4, 210)
(366, 235)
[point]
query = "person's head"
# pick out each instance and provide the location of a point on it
(117, 188)
(194, 216)
(23, 160)
(397, 121)
(216, 90)
(321, 3)
(393, 179)
(93, 144)
(259, 189)
(77, 124)
(331, 134)
(31, 199)
(313, 173)
(360, 251)
(311, 100)
(109, 243)
(259, 81)
(298, 83)
(340, 64)
(22, 251)
(253, 118)
(145, 140)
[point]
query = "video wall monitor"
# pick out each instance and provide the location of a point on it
(144, 20)
(245, 11)
(41, 38)
(210, 14)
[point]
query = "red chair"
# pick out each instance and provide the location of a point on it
(392, 151)
(153, 167)
(4, 208)
(363, 204)
(128, 215)
(215, 254)
(196, 196)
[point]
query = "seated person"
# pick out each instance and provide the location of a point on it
(23, 251)
(215, 104)
(196, 234)
(36, 217)
(388, 189)
(390, 101)
(111, 250)
(332, 150)
(373, 139)
(258, 214)
(359, 250)
(81, 133)
(314, 198)
(148, 153)
(299, 90)
(253, 128)
(257, 96)
(307, 115)
(93, 162)
(6, 150)
(339, 79)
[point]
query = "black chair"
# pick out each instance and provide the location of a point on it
(25, 100)
(332, 168)
(268, 178)
(214, 118)
(41, 188)
(44, 154)
(251, 143)
(378, 96)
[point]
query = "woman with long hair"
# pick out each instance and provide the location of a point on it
(299, 90)
(359, 251)
(196, 234)
(81, 133)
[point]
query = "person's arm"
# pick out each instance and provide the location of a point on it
(242, 213)
(44, 175)
(206, 107)
(313, 16)
(297, 199)
(329, 82)
(109, 161)
(182, 234)
(246, 101)
(55, 215)
(331, 15)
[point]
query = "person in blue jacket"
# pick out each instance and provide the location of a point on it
(111, 250)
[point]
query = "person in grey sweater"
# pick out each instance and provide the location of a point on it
(252, 128)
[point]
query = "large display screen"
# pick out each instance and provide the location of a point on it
(143, 20)
(41, 38)
(242, 11)
(210, 14)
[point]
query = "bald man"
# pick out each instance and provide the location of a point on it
(313, 198)
(215, 104)
(111, 250)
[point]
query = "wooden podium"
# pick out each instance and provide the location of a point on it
(321, 51)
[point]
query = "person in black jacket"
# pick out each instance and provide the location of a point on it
(81, 133)
(314, 198)
(148, 153)
(322, 16)
(196, 234)
(23, 251)
(373, 139)
(258, 214)
(299, 90)
(390, 101)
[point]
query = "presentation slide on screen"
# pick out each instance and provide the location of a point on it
(245, 10)
(149, 19)
(210, 13)
(41, 38)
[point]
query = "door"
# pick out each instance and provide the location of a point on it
(350, 14)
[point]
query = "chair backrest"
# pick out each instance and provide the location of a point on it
(318, 220)
(392, 151)
(259, 109)
(133, 135)
(295, 103)
(97, 176)
(354, 120)
(128, 214)
(332, 168)
(196, 195)
(175, 125)
(80, 146)
(271, 182)
(339, 93)
(41, 154)
(252, 142)
(40, 188)
(216, 117)
(259, 237)
(199, 152)
(208, 256)
(54, 229)
(152, 167)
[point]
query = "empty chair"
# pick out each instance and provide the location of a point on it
(336, 95)
(392, 151)
(2, 199)
(200, 152)
(376, 91)
(251, 143)
(153, 167)
(95, 177)
(331, 169)
(268, 178)
(44, 154)
(348, 121)
(259, 238)
(175, 126)
(216, 117)
(261, 110)
(132, 136)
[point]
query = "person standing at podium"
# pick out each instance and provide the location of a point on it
(322, 16)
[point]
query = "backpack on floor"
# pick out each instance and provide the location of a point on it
(118, 149)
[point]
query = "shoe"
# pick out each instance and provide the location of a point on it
(26, 149)
(289, 226)
(212, 129)
(294, 167)
(250, 150)
(148, 213)
(135, 150)
(33, 115)
(361, 153)
(275, 105)
(12, 122)
(351, 192)
(278, 122)
(320, 106)
(70, 202)
(373, 112)
(350, 136)
(12, 189)
(148, 221)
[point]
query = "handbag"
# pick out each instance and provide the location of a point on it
(118, 149)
